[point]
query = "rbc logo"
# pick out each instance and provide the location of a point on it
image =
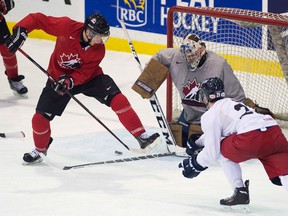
(133, 12)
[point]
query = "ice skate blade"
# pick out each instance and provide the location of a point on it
(15, 93)
(24, 163)
(241, 209)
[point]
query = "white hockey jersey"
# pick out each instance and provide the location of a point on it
(188, 82)
(224, 118)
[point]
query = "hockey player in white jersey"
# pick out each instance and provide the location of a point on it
(235, 133)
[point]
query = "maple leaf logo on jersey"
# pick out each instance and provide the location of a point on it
(70, 61)
(190, 93)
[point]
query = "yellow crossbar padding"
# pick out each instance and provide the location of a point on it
(256, 66)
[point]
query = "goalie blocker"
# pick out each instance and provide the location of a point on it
(150, 79)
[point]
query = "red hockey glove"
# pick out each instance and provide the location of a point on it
(16, 40)
(190, 167)
(64, 84)
(6, 5)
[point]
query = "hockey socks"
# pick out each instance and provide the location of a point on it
(41, 132)
(10, 62)
(126, 114)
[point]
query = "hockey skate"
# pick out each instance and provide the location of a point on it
(34, 157)
(148, 143)
(239, 201)
(17, 85)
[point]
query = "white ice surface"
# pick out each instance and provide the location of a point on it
(140, 188)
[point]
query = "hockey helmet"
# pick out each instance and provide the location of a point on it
(192, 49)
(98, 26)
(211, 90)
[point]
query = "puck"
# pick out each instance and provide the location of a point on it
(118, 152)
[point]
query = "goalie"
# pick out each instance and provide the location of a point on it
(189, 66)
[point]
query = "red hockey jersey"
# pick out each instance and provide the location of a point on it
(68, 57)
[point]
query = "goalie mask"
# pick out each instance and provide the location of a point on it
(192, 49)
(211, 90)
(97, 26)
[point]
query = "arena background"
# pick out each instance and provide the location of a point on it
(146, 20)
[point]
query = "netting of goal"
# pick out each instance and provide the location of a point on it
(252, 43)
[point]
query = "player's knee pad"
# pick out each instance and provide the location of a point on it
(120, 104)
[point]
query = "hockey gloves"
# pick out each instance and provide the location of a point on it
(190, 167)
(6, 6)
(192, 148)
(258, 109)
(16, 40)
(64, 84)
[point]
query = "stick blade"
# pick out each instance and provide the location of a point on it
(19, 134)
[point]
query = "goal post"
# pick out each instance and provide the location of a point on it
(252, 42)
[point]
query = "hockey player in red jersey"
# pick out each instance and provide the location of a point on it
(234, 133)
(9, 59)
(78, 51)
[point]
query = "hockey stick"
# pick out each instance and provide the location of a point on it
(144, 157)
(19, 134)
(81, 104)
(161, 119)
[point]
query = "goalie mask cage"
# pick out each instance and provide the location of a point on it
(250, 41)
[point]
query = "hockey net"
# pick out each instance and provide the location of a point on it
(252, 42)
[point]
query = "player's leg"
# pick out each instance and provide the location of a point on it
(105, 90)
(49, 105)
(233, 174)
(10, 62)
(274, 156)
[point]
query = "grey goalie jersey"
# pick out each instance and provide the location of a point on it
(188, 82)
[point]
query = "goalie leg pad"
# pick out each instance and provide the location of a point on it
(150, 79)
(176, 130)
(195, 129)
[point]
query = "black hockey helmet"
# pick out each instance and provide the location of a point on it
(211, 90)
(97, 24)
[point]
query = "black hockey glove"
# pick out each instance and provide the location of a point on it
(16, 40)
(190, 167)
(64, 84)
(6, 6)
(192, 148)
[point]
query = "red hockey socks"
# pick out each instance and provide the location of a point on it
(41, 132)
(127, 116)
(10, 62)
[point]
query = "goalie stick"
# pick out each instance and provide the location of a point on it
(19, 134)
(161, 119)
(63, 167)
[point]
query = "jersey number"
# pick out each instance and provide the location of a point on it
(238, 108)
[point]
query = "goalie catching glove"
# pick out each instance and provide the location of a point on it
(258, 109)
(6, 6)
(64, 84)
(150, 79)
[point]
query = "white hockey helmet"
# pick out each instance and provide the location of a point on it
(192, 49)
